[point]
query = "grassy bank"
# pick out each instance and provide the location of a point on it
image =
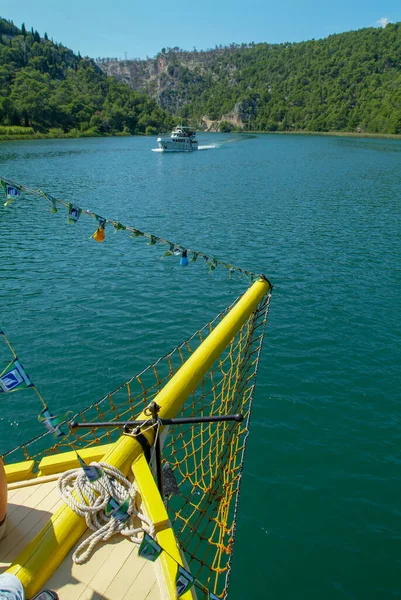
(353, 134)
(28, 133)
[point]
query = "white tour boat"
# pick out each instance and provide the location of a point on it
(181, 139)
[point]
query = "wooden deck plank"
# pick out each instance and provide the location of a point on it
(154, 593)
(118, 556)
(28, 498)
(66, 586)
(121, 583)
(18, 535)
(35, 503)
(26, 520)
(89, 594)
(11, 493)
(18, 499)
(39, 492)
(100, 557)
(142, 584)
(82, 573)
(113, 572)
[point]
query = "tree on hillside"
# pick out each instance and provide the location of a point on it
(30, 97)
(349, 82)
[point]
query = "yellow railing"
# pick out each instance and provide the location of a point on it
(45, 552)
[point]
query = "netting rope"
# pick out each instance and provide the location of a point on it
(206, 459)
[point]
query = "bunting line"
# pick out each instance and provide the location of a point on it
(14, 378)
(12, 191)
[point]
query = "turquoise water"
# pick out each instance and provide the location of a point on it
(320, 512)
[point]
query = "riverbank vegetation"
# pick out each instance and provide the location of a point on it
(350, 82)
(346, 82)
(48, 91)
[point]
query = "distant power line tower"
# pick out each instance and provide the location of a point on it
(125, 54)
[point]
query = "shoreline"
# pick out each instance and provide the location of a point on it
(45, 136)
(354, 134)
(66, 136)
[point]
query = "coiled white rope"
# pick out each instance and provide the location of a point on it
(89, 499)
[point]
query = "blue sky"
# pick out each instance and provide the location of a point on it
(140, 29)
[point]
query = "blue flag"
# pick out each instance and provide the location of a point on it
(11, 192)
(14, 378)
(183, 582)
(92, 472)
(74, 212)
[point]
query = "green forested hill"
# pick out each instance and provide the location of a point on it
(45, 86)
(346, 82)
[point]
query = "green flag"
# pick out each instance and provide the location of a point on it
(51, 423)
(149, 548)
(183, 582)
(118, 510)
(52, 201)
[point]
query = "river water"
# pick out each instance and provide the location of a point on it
(320, 512)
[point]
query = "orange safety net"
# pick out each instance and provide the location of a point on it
(206, 459)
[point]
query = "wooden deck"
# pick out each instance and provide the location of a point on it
(114, 571)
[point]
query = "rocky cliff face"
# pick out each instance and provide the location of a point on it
(158, 77)
(141, 75)
(172, 80)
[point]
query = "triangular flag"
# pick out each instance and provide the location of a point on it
(52, 202)
(14, 378)
(212, 264)
(118, 510)
(51, 422)
(117, 225)
(111, 505)
(11, 192)
(74, 212)
(183, 582)
(92, 472)
(149, 548)
(169, 252)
